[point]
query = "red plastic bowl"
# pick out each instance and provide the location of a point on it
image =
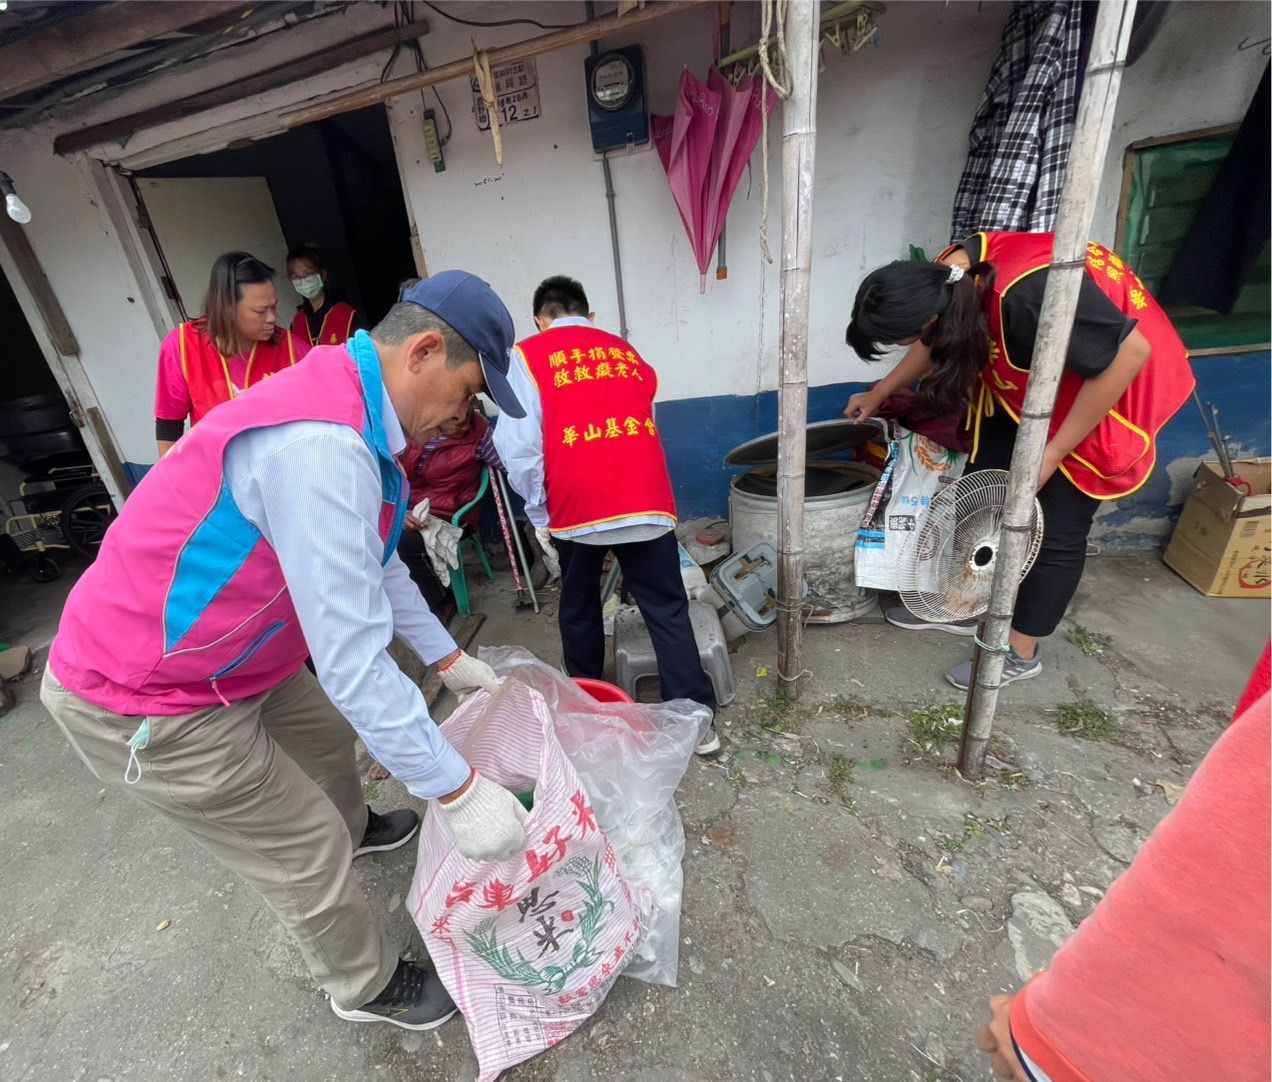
(603, 692)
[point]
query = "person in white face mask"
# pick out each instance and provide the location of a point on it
(323, 318)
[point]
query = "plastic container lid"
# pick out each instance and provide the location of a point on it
(824, 438)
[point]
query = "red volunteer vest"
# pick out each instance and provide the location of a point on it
(1118, 456)
(602, 459)
(208, 375)
(337, 325)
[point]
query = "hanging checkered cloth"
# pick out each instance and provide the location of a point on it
(1019, 143)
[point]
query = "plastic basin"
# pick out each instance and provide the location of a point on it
(601, 691)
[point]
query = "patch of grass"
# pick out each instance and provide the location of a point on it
(370, 791)
(848, 707)
(932, 728)
(1015, 778)
(972, 828)
(1091, 643)
(778, 714)
(841, 769)
(839, 775)
(1085, 720)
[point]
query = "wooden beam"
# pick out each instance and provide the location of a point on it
(303, 67)
(14, 237)
(375, 93)
(82, 42)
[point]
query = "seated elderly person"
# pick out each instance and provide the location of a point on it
(447, 472)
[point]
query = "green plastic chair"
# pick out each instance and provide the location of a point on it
(459, 582)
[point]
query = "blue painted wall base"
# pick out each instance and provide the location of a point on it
(698, 432)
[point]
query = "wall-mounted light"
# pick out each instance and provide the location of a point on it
(14, 207)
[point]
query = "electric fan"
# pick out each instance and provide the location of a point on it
(947, 566)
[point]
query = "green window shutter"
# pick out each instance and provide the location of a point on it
(1168, 183)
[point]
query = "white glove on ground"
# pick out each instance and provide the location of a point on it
(441, 541)
(551, 558)
(486, 821)
(467, 673)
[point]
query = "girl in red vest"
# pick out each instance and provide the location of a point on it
(323, 318)
(236, 344)
(970, 320)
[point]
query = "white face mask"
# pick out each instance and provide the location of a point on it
(308, 287)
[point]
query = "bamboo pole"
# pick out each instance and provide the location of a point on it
(374, 93)
(799, 144)
(1055, 324)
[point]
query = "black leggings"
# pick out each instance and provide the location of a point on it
(1067, 515)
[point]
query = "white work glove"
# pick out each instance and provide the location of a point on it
(551, 558)
(467, 673)
(441, 541)
(486, 821)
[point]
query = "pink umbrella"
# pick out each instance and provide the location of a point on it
(705, 146)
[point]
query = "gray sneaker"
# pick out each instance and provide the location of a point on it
(709, 744)
(415, 998)
(1015, 668)
(902, 617)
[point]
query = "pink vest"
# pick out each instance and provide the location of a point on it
(186, 606)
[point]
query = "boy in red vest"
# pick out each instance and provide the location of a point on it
(589, 463)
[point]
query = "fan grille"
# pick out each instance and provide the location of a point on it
(947, 569)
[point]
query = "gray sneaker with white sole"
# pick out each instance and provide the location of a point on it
(900, 616)
(1015, 668)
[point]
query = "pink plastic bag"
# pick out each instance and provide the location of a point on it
(527, 947)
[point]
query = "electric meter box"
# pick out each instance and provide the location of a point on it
(617, 111)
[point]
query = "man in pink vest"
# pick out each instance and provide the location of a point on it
(269, 534)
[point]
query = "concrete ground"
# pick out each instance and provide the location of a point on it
(850, 903)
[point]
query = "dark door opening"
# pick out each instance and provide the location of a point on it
(334, 184)
(52, 503)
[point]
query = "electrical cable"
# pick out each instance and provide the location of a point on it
(404, 15)
(502, 22)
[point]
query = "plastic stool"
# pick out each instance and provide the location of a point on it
(634, 658)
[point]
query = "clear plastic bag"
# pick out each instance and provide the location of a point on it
(630, 758)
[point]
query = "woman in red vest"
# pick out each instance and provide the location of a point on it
(236, 344)
(323, 318)
(970, 320)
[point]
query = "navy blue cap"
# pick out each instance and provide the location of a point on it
(470, 306)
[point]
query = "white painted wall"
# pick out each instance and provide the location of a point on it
(892, 136)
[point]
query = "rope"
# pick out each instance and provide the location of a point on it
(772, 10)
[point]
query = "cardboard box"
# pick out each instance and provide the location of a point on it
(1222, 543)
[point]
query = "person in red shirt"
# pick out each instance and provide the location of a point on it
(447, 472)
(324, 317)
(235, 345)
(1167, 979)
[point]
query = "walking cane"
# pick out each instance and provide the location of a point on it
(501, 486)
(507, 540)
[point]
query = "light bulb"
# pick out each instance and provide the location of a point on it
(16, 209)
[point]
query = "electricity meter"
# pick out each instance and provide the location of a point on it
(616, 108)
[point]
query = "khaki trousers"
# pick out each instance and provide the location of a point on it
(270, 786)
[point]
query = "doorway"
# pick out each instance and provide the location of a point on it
(53, 505)
(334, 185)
